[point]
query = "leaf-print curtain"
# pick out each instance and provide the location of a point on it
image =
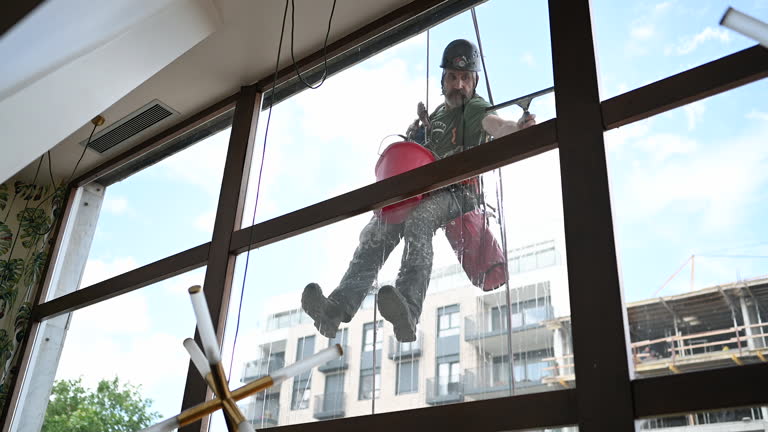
(28, 214)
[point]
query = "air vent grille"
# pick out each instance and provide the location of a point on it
(130, 126)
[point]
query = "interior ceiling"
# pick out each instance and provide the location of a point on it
(240, 53)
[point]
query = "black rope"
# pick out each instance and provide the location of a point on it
(502, 221)
(258, 190)
(325, 47)
(482, 56)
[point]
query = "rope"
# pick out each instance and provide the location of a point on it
(502, 220)
(426, 102)
(258, 190)
(325, 46)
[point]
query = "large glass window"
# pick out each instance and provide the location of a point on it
(372, 341)
(673, 36)
(305, 347)
(744, 419)
(689, 215)
(370, 384)
(135, 340)
(407, 377)
(448, 321)
(331, 138)
(161, 210)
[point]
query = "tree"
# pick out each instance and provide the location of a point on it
(112, 407)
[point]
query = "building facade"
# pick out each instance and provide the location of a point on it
(465, 352)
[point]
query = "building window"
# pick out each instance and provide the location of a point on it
(370, 384)
(546, 258)
(448, 321)
(287, 319)
(525, 313)
(531, 366)
(368, 337)
(407, 377)
(305, 347)
(448, 376)
(500, 370)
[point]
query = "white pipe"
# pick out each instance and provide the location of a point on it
(748, 26)
(166, 425)
(205, 325)
(197, 356)
(245, 427)
(301, 366)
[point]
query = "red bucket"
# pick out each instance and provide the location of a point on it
(396, 159)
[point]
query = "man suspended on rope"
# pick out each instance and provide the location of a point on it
(461, 122)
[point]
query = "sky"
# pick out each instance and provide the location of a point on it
(691, 181)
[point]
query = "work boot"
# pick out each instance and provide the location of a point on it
(325, 312)
(393, 308)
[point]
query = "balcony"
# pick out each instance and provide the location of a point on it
(261, 367)
(440, 392)
(265, 421)
(494, 340)
(336, 365)
(329, 406)
(482, 383)
(405, 350)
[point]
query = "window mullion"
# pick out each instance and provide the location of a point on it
(597, 307)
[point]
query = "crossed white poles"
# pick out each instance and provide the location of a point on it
(210, 367)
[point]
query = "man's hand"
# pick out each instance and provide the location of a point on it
(527, 120)
(412, 131)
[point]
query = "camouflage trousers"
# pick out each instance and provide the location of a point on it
(378, 239)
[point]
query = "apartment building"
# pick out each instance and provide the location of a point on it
(463, 352)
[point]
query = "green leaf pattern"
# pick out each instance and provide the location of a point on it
(23, 257)
(3, 196)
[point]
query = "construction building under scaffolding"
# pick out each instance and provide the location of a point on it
(465, 352)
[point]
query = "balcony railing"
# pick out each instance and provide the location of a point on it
(444, 390)
(329, 405)
(405, 350)
(336, 365)
(259, 368)
(483, 380)
(730, 346)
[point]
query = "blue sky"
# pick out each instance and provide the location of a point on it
(690, 181)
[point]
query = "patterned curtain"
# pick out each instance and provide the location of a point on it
(28, 215)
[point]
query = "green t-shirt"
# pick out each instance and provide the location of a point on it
(455, 130)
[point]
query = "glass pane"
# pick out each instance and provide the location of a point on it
(689, 215)
(747, 419)
(331, 138)
(162, 210)
(460, 352)
(135, 339)
(673, 36)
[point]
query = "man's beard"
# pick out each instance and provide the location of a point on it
(455, 98)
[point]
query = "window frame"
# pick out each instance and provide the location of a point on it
(582, 118)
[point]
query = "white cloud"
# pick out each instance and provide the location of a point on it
(687, 45)
(97, 270)
(757, 115)
(663, 145)
(694, 112)
(663, 6)
(709, 187)
(642, 32)
(616, 139)
(115, 205)
(528, 59)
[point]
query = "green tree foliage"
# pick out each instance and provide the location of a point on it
(111, 407)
